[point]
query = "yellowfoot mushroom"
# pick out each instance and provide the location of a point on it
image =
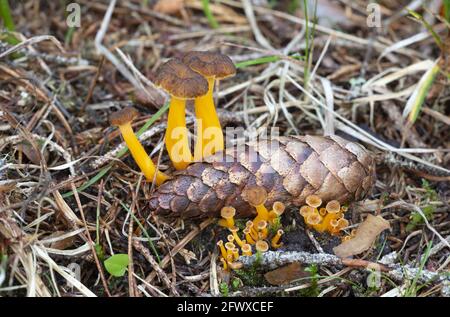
(181, 83)
(227, 213)
(246, 249)
(276, 238)
(277, 210)
(261, 246)
(234, 230)
(213, 66)
(256, 196)
(123, 119)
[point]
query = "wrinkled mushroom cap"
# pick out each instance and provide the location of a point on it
(210, 64)
(228, 212)
(313, 201)
(278, 207)
(255, 195)
(261, 246)
(123, 116)
(246, 247)
(180, 81)
(333, 207)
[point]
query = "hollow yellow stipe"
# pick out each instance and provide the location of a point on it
(176, 139)
(210, 136)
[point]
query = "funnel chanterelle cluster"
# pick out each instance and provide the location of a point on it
(259, 234)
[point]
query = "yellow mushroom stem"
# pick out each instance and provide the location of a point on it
(263, 213)
(223, 252)
(230, 247)
(275, 240)
(210, 136)
(235, 254)
(177, 142)
(224, 264)
(238, 240)
(262, 229)
(140, 155)
(248, 236)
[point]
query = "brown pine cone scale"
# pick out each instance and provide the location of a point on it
(289, 168)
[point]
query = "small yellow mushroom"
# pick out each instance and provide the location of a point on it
(313, 219)
(238, 240)
(313, 201)
(346, 238)
(248, 236)
(252, 230)
(227, 213)
(230, 238)
(322, 211)
(224, 264)
(235, 265)
(276, 238)
(229, 246)
(261, 246)
(246, 249)
(123, 119)
(343, 223)
(333, 207)
(223, 251)
(256, 196)
(344, 208)
(306, 210)
(262, 229)
(277, 210)
(235, 253)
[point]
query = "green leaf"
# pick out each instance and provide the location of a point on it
(207, 11)
(117, 264)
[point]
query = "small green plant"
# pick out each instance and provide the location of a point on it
(275, 226)
(446, 5)
(293, 6)
(416, 218)
(8, 23)
(207, 11)
(223, 289)
(235, 284)
(117, 264)
(413, 288)
(313, 290)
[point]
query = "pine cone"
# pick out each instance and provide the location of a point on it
(289, 168)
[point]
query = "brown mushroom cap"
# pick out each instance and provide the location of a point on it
(123, 116)
(255, 195)
(210, 64)
(227, 212)
(180, 81)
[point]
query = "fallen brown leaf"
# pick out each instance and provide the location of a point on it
(286, 274)
(365, 235)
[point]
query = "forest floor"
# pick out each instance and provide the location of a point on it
(69, 198)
